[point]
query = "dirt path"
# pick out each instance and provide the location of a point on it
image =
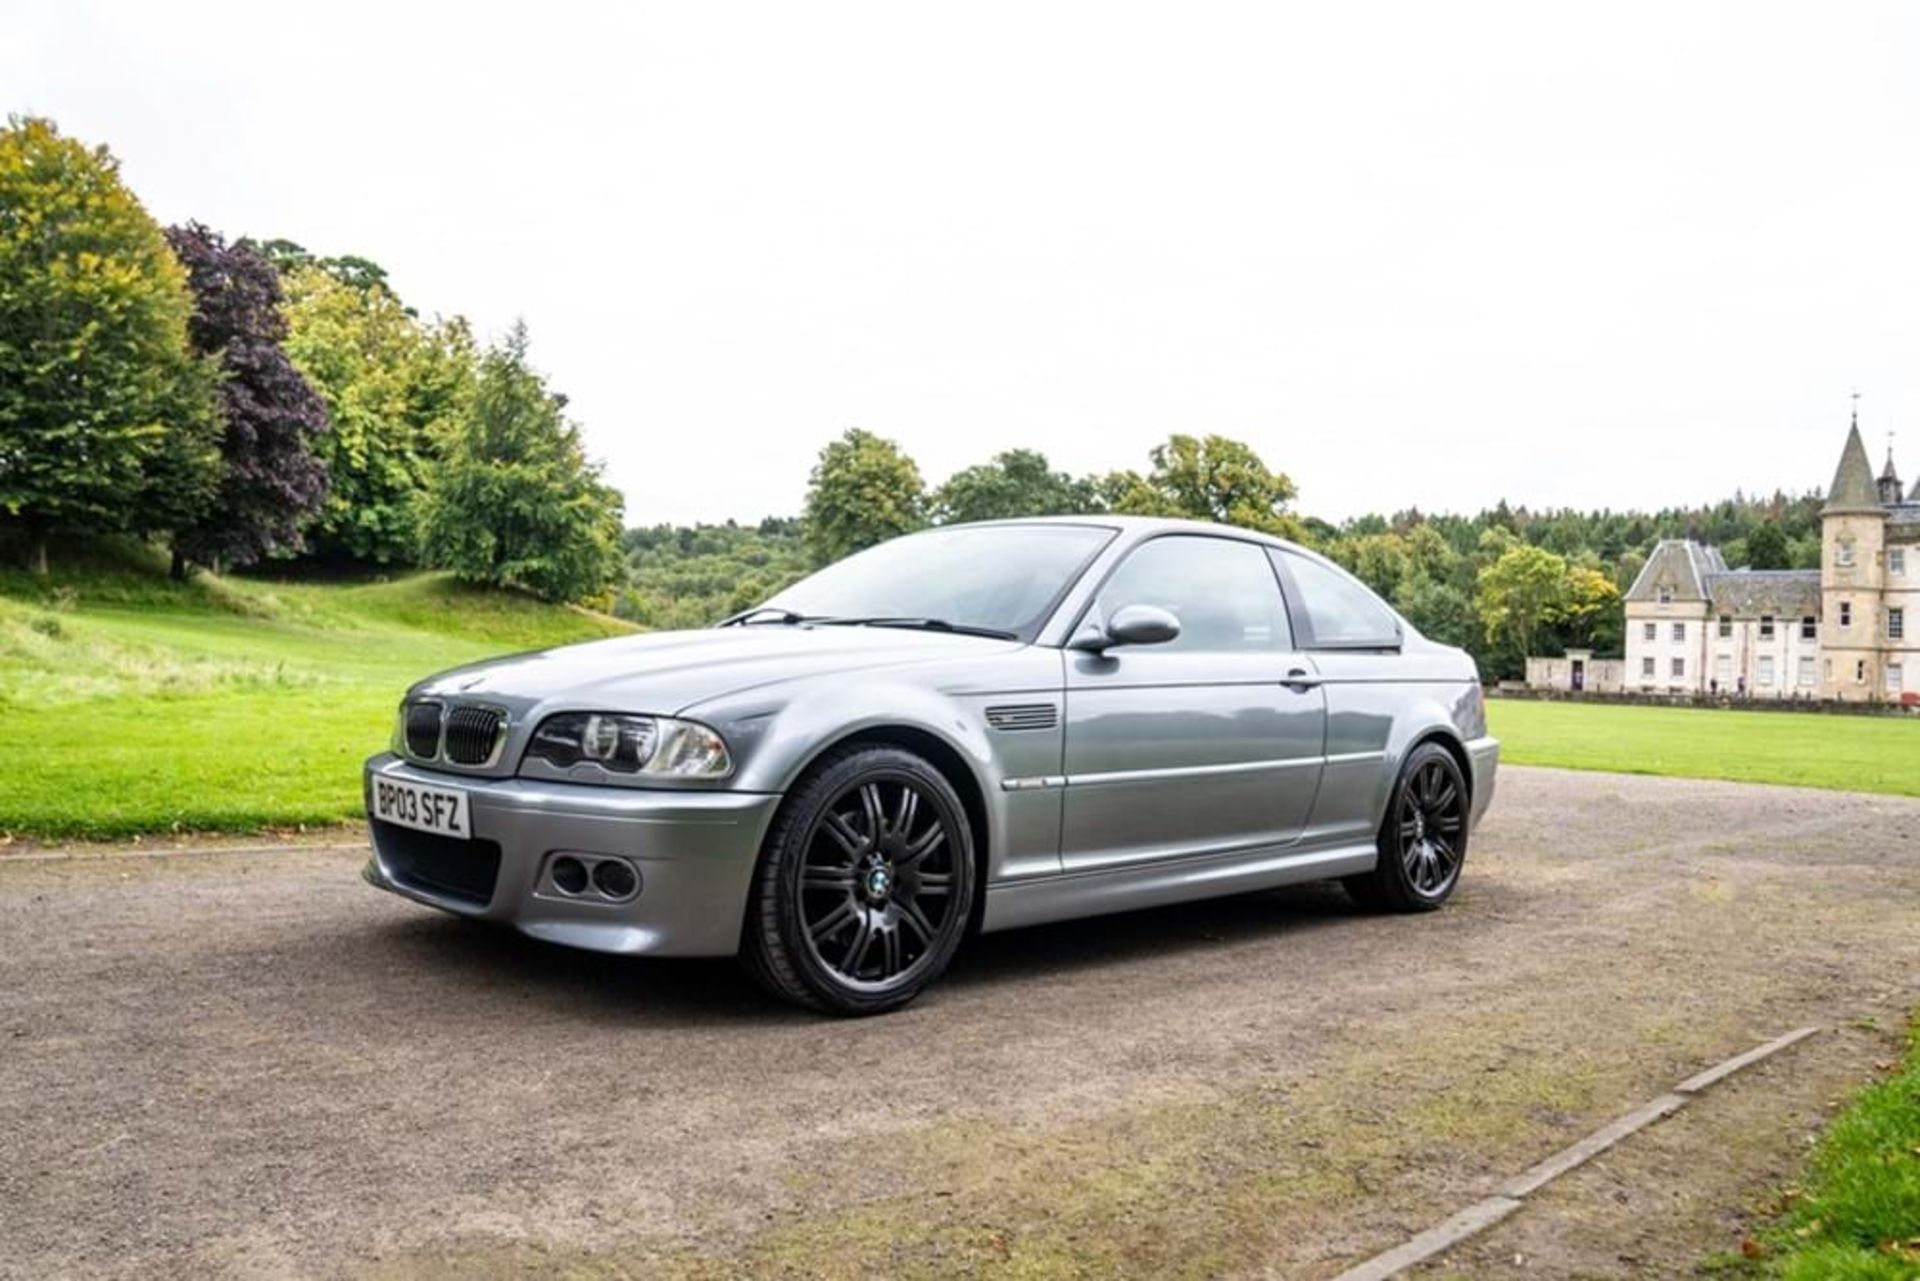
(253, 1064)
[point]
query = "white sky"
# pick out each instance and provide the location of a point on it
(1428, 254)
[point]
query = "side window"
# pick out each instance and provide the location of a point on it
(1222, 591)
(1343, 612)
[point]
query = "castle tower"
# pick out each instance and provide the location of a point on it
(1852, 546)
(1889, 481)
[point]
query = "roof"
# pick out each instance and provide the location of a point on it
(1853, 489)
(1784, 593)
(1679, 563)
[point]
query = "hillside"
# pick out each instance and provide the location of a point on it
(133, 704)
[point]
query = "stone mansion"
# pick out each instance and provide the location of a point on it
(1847, 631)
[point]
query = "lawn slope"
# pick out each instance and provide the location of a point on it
(130, 704)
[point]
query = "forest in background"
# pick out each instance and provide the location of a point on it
(1502, 583)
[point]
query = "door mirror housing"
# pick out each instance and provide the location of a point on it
(1130, 625)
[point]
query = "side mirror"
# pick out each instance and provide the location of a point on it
(1130, 625)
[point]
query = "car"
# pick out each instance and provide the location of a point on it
(972, 728)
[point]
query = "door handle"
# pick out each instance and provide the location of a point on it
(1299, 680)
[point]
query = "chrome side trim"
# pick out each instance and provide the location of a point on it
(1354, 758)
(1037, 782)
(1190, 771)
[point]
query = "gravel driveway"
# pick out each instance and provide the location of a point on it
(254, 1064)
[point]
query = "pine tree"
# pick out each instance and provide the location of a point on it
(513, 500)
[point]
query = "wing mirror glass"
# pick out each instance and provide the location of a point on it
(1131, 625)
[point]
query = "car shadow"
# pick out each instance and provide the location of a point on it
(435, 956)
(1208, 924)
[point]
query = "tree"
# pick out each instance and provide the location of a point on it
(270, 483)
(1438, 610)
(514, 500)
(392, 388)
(98, 386)
(1767, 546)
(1206, 478)
(1381, 561)
(863, 491)
(349, 269)
(1590, 612)
(1016, 483)
(1525, 589)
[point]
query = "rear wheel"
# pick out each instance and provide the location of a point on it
(1423, 840)
(865, 885)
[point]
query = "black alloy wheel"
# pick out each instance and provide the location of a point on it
(865, 886)
(1423, 840)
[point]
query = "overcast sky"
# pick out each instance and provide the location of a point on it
(1419, 254)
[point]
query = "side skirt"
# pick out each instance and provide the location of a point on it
(1011, 904)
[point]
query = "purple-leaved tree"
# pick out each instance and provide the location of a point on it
(270, 482)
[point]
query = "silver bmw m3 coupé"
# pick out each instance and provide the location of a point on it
(973, 728)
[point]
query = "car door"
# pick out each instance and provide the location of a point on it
(1367, 682)
(1199, 745)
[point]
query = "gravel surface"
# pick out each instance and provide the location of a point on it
(254, 1064)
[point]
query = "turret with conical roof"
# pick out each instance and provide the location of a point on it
(1853, 488)
(1889, 481)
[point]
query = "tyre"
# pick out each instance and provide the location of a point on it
(865, 884)
(1423, 839)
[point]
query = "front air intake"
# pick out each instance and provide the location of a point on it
(1017, 716)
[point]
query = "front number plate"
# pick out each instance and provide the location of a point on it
(440, 810)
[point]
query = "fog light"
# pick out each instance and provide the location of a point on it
(570, 874)
(615, 879)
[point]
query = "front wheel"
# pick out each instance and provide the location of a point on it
(1423, 840)
(865, 885)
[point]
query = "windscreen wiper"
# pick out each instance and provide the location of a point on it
(922, 624)
(775, 614)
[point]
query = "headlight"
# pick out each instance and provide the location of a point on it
(650, 746)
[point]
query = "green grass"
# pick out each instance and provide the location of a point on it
(129, 704)
(1857, 1215)
(1806, 749)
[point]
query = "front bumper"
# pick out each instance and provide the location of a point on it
(695, 850)
(1483, 755)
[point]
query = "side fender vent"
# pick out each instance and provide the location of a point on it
(1014, 716)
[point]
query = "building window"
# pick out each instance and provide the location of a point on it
(1846, 613)
(1766, 627)
(1809, 627)
(1843, 553)
(1650, 631)
(1764, 674)
(1679, 631)
(1897, 561)
(1896, 624)
(1666, 594)
(1679, 668)
(1806, 672)
(1723, 667)
(1860, 672)
(1646, 668)
(1726, 626)
(1893, 679)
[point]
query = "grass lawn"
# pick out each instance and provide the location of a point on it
(1850, 753)
(129, 704)
(1856, 1216)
